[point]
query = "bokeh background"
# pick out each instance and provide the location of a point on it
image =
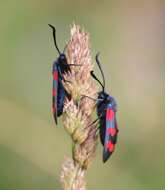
(130, 37)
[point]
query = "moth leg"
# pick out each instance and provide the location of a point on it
(94, 99)
(59, 71)
(95, 120)
(74, 64)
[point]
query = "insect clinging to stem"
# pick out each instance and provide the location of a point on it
(106, 112)
(58, 91)
(60, 66)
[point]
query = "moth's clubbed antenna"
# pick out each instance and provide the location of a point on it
(78, 109)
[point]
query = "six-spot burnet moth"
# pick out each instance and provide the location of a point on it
(60, 66)
(106, 112)
(58, 91)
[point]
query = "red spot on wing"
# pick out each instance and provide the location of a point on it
(54, 92)
(111, 131)
(110, 146)
(55, 75)
(110, 114)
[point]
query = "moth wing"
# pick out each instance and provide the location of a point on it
(54, 94)
(110, 133)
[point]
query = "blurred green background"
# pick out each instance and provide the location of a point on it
(130, 37)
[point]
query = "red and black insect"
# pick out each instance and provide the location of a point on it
(60, 66)
(106, 111)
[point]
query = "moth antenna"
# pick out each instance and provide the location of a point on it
(98, 63)
(94, 76)
(54, 37)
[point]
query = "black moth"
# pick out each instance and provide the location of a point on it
(60, 66)
(106, 111)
